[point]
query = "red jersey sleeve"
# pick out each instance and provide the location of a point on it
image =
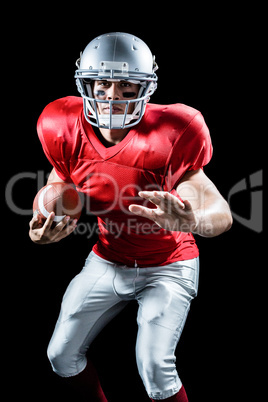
(191, 151)
(56, 134)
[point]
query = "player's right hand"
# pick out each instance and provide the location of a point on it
(45, 234)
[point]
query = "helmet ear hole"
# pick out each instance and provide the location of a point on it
(86, 80)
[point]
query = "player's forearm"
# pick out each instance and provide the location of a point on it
(213, 218)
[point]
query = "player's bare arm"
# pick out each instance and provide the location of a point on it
(46, 234)
(203, 210)
(54, 178)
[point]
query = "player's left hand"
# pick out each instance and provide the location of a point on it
(170, 213)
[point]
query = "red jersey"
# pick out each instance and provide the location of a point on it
(154, 155)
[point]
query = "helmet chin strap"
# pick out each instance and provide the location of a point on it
(117, 120)
(111, 120)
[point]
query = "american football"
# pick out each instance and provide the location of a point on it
(60, 198)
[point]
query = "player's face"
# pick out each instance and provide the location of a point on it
(115, 90)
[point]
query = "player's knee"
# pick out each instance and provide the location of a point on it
(152, 369)
(157, 368)
(56, 357)
(147, 369)
(64, 361)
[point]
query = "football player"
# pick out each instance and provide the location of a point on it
(139, 167)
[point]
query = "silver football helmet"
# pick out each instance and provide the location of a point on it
(116, 56)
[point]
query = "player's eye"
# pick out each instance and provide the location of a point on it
(103, 84)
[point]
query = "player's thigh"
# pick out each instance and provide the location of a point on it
(164, 305)
(89, 303)
(163, 308)
(91, 291)
(166, 298)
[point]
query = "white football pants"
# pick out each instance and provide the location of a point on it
(101, 291)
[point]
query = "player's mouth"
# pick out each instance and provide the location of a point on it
(115, 110)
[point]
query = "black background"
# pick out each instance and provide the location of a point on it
(208, 59)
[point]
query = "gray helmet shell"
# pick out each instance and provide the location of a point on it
(116, 56)
(121, 49)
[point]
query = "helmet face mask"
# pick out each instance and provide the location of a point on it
(129, 60)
